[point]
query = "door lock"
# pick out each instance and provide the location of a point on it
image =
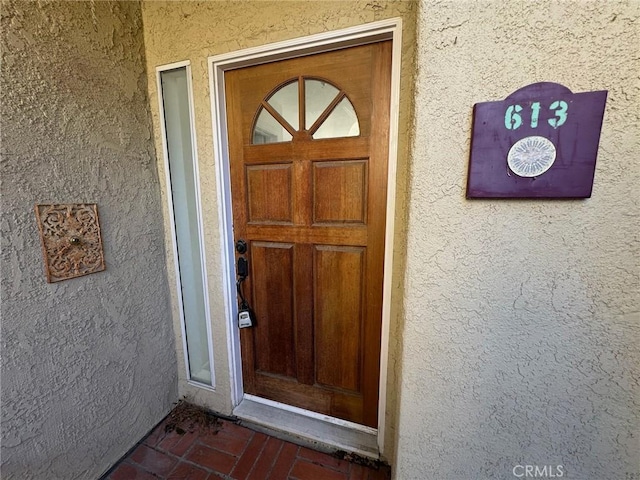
(241, 247)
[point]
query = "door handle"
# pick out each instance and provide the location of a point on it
(246, 317)
(243, 268)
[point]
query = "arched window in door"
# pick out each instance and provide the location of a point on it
(305, 106)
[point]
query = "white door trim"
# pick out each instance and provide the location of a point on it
(390, 29)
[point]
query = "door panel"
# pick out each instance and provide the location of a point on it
(273, 297)
(312, 212)
(262, 180)
(338, 316)
(339, 192)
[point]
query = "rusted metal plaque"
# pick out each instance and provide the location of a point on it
(71, 240)
(541, 142)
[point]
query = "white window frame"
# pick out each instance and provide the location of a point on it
(194, 146)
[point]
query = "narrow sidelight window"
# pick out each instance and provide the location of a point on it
(184, 203)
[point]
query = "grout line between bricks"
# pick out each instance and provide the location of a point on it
(275, 459)
(264, 444)
(140, 467)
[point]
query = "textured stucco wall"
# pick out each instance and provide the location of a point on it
(88, 364)
(521, 333)
(176, 31)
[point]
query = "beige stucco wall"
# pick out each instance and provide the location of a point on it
(521, 333)
(514, 338)
(88, 364)
(514, 330)
(177, 31)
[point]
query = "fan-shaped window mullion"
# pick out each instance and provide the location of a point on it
(323, 116)
(318, 96)
(341, 122)
(267, 129)
(302, 104)
(285, 101)
(279, 118)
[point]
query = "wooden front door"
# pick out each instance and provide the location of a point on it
(308, 145)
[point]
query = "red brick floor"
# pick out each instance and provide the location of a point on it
(230, 451)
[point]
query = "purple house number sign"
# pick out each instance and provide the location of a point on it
(541, 142)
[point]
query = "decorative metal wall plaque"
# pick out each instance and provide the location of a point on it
(540, 142)
(71, 240)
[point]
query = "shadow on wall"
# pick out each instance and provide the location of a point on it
(88, 364)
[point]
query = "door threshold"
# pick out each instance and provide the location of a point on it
(302, 426)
